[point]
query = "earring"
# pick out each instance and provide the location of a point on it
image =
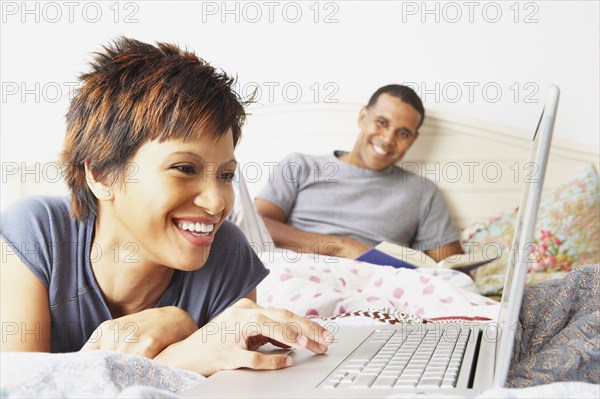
(107, 193)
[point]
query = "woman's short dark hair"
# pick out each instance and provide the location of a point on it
(134, 93)
(404, 94)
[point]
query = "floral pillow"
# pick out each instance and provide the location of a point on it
(567, 235)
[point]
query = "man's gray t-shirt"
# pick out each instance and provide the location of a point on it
(57, 249)
(323, 194)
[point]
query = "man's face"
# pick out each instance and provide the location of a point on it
(387, 130)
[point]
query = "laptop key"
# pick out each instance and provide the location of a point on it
(345, 382)
(447, 385)
(391, 373)
(349, 370)
(448, 378)
(430, 373)
(392, 367)
(358, 362)
(430, 382)
(363, 381)
(405, 383)
(368, 351)
(372, 370)
(435, 369)
(384, 382)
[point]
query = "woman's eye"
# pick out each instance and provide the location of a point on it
(187, 169)
(228, 176)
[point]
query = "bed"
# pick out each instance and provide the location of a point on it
(478, 167)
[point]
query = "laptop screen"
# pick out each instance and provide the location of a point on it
(519, 257)
(513, 254)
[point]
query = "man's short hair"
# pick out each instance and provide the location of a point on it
(134, 93)
(404, 94)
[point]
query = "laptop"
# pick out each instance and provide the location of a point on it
(460, 358)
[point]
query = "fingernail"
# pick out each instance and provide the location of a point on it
(288, 361)
(327, 336)
(302, 340)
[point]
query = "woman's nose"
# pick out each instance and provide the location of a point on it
(210, 198)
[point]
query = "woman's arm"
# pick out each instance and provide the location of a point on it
(24, 309)
(252, 295)
(145, 333)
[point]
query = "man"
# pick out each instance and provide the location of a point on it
(342, 204)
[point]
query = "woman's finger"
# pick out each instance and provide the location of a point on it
(287, 333)
(279, 344)
(305, 327)
(261, 361)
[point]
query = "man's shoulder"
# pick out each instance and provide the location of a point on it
(414, 178)
(304, 158)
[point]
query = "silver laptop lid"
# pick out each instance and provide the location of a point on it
(522, 245)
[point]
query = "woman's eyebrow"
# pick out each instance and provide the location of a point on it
(193, 154)
(231, 161)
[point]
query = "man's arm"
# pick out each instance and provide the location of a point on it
(285, 235)
(439, 253)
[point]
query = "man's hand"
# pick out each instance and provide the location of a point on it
(229, 341)
(145, 333)
(441, 253)
(351, 248)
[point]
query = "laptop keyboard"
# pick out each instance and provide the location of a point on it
(391, 359)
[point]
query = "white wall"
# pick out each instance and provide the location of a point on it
(345, 51)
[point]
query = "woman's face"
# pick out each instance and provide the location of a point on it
(174, 198)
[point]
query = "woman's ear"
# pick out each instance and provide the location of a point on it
(100, 190)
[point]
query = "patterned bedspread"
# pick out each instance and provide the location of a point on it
(558, 337)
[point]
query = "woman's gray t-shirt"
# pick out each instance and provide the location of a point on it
(57, 249)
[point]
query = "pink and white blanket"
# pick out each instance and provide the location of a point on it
(325, 286)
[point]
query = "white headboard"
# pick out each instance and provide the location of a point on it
(478, 167)
(462, 156)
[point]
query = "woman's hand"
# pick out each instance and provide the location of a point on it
(228, 341)
(144, 333)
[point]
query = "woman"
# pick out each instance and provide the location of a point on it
(141, 255)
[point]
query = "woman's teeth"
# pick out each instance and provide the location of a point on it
(196, 228)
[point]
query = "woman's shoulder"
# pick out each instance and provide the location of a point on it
(37, 217)
(38, 205)
(38, 229)
(230, 232)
